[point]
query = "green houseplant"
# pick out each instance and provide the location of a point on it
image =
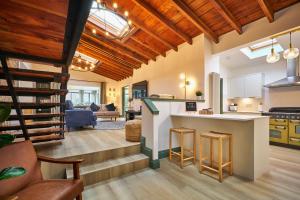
(199, 95)
(6, 139)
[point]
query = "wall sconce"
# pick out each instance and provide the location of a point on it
(186, 83)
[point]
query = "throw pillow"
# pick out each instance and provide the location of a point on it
(69, 105)
(94, 107)
(111, 107)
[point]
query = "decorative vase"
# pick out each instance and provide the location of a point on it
(199, 98)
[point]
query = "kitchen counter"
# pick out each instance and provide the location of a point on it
(250, 134)
(221, 116)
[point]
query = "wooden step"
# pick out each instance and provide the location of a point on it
(36, 116)
(94, 173)
(107, 154)
(32, 125)
(46, 138)
(35, 76)
(33, 105)
(20, 91)
(39, 132)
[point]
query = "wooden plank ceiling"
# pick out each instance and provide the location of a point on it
(43, 30)
(163, 25)
(31, 27)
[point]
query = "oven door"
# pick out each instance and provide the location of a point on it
(278, 133)
(294, 128)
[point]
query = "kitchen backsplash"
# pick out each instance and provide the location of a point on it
(246, 104)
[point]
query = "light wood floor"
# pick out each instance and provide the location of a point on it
(84, 142)
(170, 182)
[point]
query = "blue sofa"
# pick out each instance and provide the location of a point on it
(76, 118)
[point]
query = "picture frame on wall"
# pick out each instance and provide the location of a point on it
(191, 106)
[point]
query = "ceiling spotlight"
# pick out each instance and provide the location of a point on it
(107, 33)
(98, 1)
(291, 52)
(129, 22)
(94, 31)
(273, 56)
(126, 13)
(79, 60)
(115, 5)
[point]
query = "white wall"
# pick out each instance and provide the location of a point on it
(163, 74)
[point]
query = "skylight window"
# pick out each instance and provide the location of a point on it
(108, 20)
(261, 49)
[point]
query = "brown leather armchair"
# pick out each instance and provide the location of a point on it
(32, 186)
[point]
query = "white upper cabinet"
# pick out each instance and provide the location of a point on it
(246, 86)
(236, 87)
(254, 85)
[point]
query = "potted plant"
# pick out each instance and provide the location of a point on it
(199, 95)
(6, 139)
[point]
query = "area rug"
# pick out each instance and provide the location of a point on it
(110, 125)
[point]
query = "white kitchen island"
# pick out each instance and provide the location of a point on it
(250, 134)
(250, 138)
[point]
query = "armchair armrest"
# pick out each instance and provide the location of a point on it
(75, 163)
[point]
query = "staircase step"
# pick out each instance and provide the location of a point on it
(32, 125)
(39, 132)
(33, 105)
(35, 76)
(108, 154)
(94, 173)
(22, 91)
(36, 116)
(46, 138)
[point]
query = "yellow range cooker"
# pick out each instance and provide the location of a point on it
(284, 125)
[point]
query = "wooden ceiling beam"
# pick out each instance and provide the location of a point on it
(135, 47)
(168, 23)
(115, 69)
(94, 53)
(132, 32)
(148, 47)
(121, 43)
(107, 75)
(267, 9)
(116, 47)
(109, 52)
(194, 18)
(144, 28)
(109, 72)
(227, 15)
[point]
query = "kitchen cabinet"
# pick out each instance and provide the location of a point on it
(253, 85)
(237, 87)
(246, 86)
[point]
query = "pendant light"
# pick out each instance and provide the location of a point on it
(291, 52)
(273, 56)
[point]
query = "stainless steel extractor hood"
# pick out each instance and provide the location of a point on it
(293, 76)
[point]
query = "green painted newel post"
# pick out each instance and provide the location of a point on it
(6, 139)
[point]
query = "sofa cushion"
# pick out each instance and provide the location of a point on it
(69, 105)
(19, 154)
(94, 107)
(111, 107)
(51, 189)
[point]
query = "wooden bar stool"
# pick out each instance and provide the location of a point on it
(182, 132)
(220, 137)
